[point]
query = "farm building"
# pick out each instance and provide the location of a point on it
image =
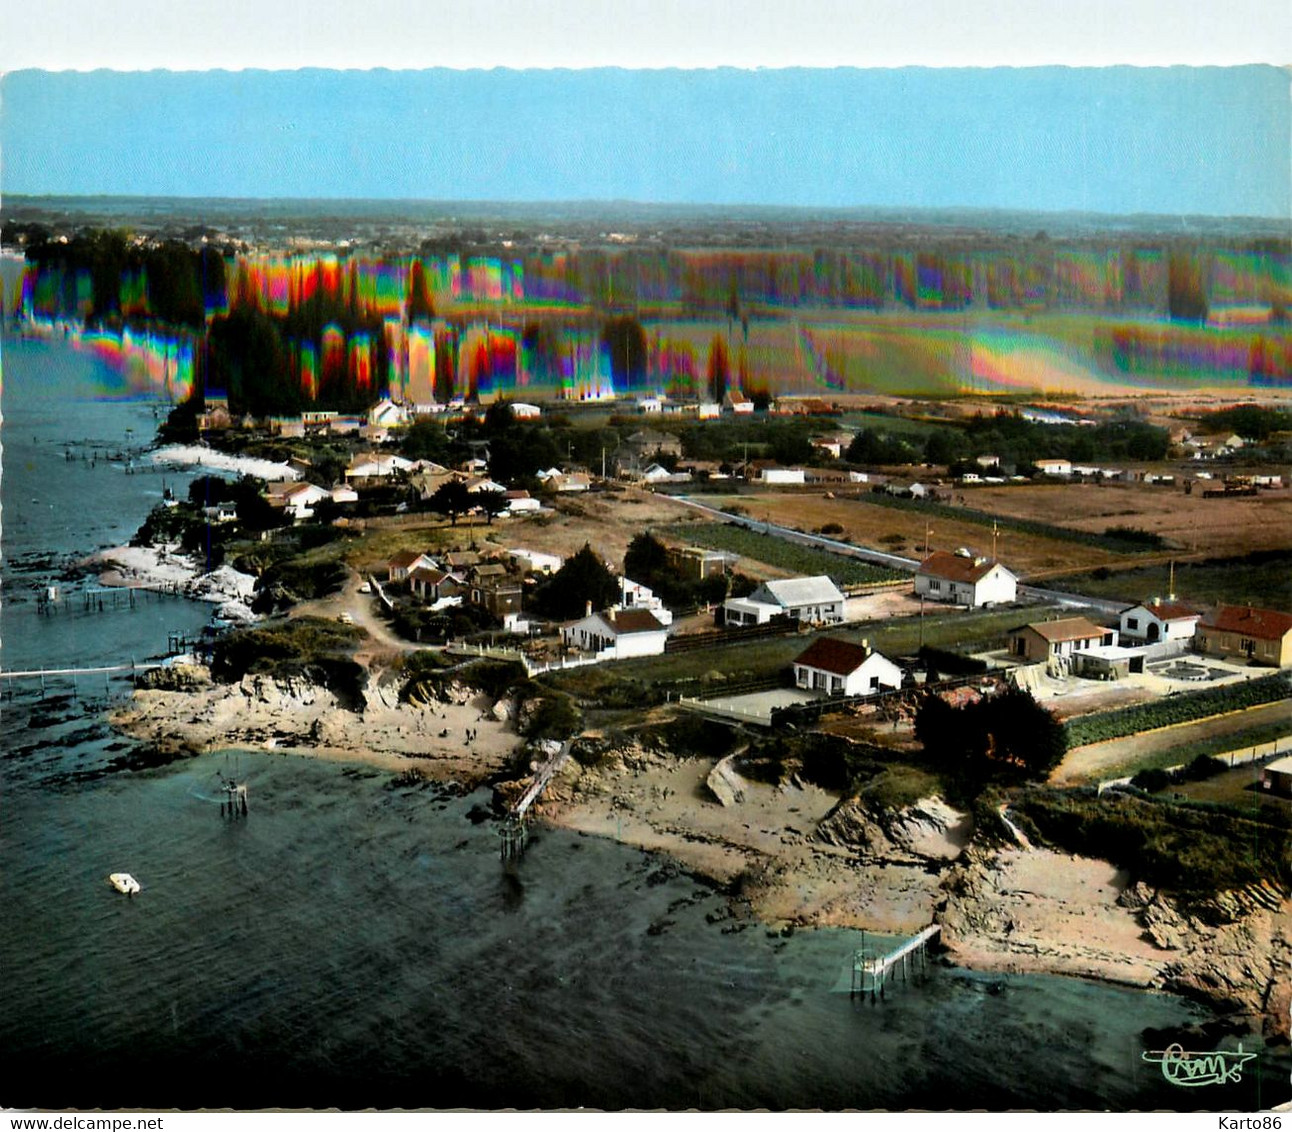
(621, 632)
(1276, 777)
(842, 668)
(1054, 467)
(1263, 635)
(962, 579)
(802, 599)
(782, 476)
(1159, 620)
(1046, 641)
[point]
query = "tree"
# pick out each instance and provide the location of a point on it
(1008, 735)
(451, 498)
(425, 440)
(719, 370)
(645, 559)
(625, 341)
(492, 502)
(582, 580)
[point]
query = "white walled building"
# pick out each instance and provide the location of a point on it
(617, 634)
(1159, 620)
(840, 668)
(962, 579)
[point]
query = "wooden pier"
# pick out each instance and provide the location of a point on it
(871, 972)
(515, 829)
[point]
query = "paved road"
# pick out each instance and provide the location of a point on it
(895, 561)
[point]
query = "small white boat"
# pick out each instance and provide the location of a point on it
(125, 883)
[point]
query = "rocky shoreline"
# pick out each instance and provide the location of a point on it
(789, 854)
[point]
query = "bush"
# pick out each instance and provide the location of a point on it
(1152, 779)
(555, 717)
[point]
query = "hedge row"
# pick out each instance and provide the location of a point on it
(773, 550)
(1131, 542)
(1179, 708)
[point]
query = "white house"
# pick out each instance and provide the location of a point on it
(403, 563)
(519, 502)
(299, 501)
(803, 599)
(633, 595)
(535, 561)
(709, 411)
(386, 414)
(963, 579)
(372, 466)
(1159, 620)
(523, 411)
(1054, 467)
(650, 405)
(840, 668)
(617, 634)
(344, 493)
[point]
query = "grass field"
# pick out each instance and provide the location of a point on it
(1261, 579)
(780, 553)
(903, 531)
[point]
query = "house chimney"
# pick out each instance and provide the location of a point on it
(865, 644)
(587, 609)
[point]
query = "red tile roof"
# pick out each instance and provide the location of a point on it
(1260, 624)
(405, 558)
(1168, 610)
(830, 655)
(956, 567)
(632, 621)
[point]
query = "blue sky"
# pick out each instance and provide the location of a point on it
(1173, 140)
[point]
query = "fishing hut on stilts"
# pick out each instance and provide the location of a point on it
(871, 971)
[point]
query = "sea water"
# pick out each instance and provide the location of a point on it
(352, 943)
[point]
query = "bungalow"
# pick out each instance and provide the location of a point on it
(523, 411)
(521, 501)
(375, 466)
(1048, 641)
(386, 414)
(709, 411)
(840, 668)
(402, 564)
(619, 633)
(536, 562)
(434, 585)
(1159, 620)
(987, 461)
(963, 579)
(299, 501)
(1054, 467)
(574, 481)
(344, 493)
(832, 446)
(1240, 631)
(814, 599)
(736, 402)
